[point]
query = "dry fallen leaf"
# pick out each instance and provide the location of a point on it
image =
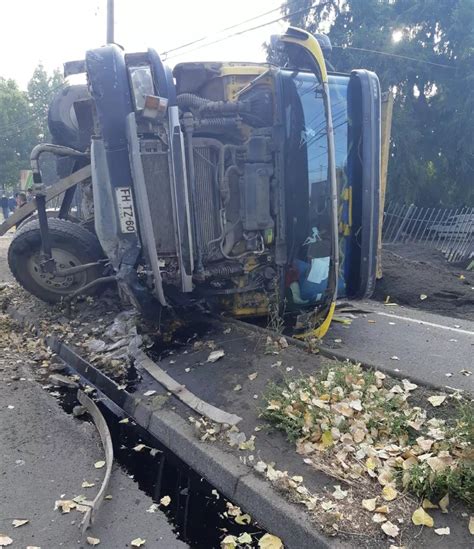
(229, 542)
(421, 518)
(382, 509)
(86, 484)
(139, 447)
(423, 297)
(149, 393)
(65, 505)
(369, 504)
(424, 443)
(428, 505)
(165, 501)
(99, 464)
(243, 519)
(269, 541)
(443, 503)
(390, 529)
(245, 538)
(93, 541)
(137, 542)
(443, 531)
(5, 540)
(471, 526)
(19, 522)
(389, 493)
(339, 493)
(253, 376)
(408, 385)
(436, 400)
(326, 439)
(379, 517)
(124, 420)
(327, 505)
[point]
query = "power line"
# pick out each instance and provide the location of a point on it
(225, 29)
(390, 54)
(244, 31)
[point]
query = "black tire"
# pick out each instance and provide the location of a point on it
(71, 245)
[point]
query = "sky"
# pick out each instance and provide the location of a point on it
(55, 31)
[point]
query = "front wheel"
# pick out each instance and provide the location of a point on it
(71, 245)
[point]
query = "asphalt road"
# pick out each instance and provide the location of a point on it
(431, 348)
(46, 455)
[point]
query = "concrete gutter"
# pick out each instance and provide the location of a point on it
(222, 469)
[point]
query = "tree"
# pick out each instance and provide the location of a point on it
(429, 68)
(24, 123)
(41, 90)
(17, 137)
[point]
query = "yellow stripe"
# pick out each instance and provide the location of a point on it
(322, 330)
(312, 46)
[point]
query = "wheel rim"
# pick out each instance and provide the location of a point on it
(52, 282)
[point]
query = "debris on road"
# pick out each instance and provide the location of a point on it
(214, 356)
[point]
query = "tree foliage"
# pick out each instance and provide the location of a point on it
(430, 70)
(23, 123)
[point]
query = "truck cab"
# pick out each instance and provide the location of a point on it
(240, 185)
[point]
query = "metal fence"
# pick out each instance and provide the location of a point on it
(450, 231)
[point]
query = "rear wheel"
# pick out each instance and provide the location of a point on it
(71, 245)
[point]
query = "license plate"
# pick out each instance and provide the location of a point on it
(126, 210)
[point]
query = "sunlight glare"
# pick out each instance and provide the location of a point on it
(397, 35)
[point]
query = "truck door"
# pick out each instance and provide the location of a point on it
(363, 177)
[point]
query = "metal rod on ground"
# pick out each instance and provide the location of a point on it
(110, 21)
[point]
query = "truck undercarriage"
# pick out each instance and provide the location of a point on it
(218, 183)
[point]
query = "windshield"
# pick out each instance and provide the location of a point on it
(308, 196)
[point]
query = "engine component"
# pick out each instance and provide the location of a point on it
(255, 197)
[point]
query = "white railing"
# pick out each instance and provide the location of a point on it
(449, 230)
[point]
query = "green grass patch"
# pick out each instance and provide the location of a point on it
(362, 424)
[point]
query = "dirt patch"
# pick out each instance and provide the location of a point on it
(412, 270)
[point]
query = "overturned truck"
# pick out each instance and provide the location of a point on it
(236, 185)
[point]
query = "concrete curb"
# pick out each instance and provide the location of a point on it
(234, 480)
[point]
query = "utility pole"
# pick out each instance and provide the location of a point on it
(110, 21)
